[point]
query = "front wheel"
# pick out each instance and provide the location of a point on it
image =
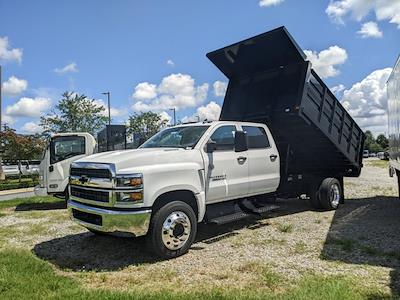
(172, 230)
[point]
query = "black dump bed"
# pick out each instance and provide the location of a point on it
(271, 82)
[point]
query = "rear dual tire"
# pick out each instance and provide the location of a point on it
(327, 195)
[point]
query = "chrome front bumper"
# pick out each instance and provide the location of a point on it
(107, 220)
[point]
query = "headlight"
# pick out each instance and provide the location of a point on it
(134, 181)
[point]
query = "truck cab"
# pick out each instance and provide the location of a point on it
(61, 151)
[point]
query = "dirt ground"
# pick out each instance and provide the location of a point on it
(360, 240)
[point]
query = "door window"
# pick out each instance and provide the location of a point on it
(256, 137)
(224, 136)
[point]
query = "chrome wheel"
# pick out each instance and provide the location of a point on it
(176, 230)
(335, 195)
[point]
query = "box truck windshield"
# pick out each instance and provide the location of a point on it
(63, 147)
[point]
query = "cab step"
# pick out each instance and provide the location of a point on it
(264, 209)
(230, 218)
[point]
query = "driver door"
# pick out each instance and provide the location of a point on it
(226, 170)
(63, 151)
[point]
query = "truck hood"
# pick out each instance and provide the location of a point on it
(138, 160)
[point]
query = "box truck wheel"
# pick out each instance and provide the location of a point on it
(330, 193)
(398, 180)
(172, 230)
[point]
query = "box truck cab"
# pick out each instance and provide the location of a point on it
(61, 151)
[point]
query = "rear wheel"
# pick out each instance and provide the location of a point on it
(330, 193)
(398, 180)
(172, 230)
(314, 196)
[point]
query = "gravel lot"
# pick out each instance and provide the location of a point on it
(360, 239)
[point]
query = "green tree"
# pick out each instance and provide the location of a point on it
(74, 113)
(382, 141)
(18, 147)
(369, 140)
(145, 124)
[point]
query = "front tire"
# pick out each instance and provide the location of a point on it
(172, 230)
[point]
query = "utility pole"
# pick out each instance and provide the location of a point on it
(1, 85)
(174, 115)
(2, 176)
(109, 109)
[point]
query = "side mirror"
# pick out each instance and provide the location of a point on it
(211, 146)
(240, 141)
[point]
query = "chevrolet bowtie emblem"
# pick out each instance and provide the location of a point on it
(83, 179)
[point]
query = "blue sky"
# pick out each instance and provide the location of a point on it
(151, 54)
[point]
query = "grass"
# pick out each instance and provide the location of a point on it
(23, 276)
(345, 244)
(377, 163)
(29, 200)
(285, 228)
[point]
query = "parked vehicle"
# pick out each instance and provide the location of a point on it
(365, 153)
(10, 168)
(393, 92)
(282, 133)
(381, 155)
(372, 154)
(64, 148)
(61, 151)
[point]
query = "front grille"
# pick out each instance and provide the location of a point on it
(93, 195)
(98, 173)
(87, 217)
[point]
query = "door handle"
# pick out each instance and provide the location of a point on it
(241, 159)
(273, 157)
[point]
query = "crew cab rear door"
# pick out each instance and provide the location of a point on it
(263, 160)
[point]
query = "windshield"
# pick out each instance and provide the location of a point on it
(64, 147)
(176, 137)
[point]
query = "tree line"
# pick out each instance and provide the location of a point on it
(73, 113)
(379, 144)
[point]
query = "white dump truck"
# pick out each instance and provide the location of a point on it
(282, 133)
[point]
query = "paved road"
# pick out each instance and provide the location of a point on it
(16, 195)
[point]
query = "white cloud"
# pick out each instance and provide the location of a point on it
(7, 53)
(366, 101)
(370, 29)
(114, 112)
(28, 107)
(31, 128)
(265, 3)
(220, 88)
(145, 91)
(210, 112)
(338, 88)
(325, 62)
(14, 86)
(170, 63)
(358, 9)
(6, 119)
(70, 68)
(165, 116)
(175, 91)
